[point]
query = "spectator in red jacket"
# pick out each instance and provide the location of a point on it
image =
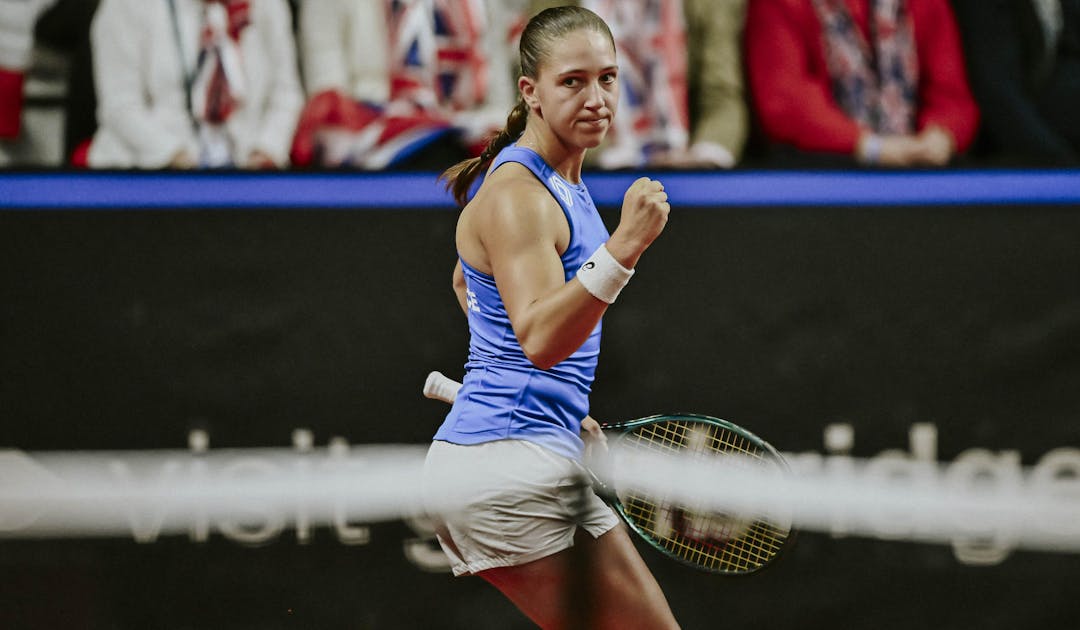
(881, 81)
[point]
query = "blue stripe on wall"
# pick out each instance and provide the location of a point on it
(150, 190)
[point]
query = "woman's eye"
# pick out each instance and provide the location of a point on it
(570, 82)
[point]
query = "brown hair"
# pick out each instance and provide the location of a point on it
(540, 36)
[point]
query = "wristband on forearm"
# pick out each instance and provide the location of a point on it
(603, 276)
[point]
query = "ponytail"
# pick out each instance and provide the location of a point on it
(541, 35)
(460, 177)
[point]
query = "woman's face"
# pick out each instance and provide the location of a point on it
(577, 90)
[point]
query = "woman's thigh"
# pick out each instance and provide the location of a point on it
(598, 583)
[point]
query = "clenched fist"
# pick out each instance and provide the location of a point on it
(645, 212)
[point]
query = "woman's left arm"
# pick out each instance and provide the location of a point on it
(461, 290)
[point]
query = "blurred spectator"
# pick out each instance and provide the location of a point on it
(66, 28)
(1024, 61)
(881, 82)
(194, 84)
(411, 84)
(17, 20)
(681, 77)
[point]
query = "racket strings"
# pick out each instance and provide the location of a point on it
(725, 543)
(720, 556)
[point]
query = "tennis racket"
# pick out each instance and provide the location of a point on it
(723, 543)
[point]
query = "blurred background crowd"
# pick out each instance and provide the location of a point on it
(420, 84)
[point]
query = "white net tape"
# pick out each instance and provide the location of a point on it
(146, 494)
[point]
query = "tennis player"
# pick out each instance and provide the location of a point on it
(537, 269)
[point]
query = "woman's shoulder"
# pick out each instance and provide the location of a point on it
(511, 178)
(513, 189)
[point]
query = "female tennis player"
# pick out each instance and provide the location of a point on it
(537, 269)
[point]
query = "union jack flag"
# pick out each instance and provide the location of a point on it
(653, 114)
(437, 69)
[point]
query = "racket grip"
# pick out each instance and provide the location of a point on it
(440, 387)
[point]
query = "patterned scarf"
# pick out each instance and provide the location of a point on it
(874, 82)
(653, 114)
(219, 85)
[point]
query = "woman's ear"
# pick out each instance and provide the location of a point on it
(527, 87)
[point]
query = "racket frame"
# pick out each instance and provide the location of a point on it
(622, 429)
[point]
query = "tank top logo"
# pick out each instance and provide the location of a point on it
(560, 188)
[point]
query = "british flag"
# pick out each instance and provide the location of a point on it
(461, 69)
(437, 69)
(653, 114)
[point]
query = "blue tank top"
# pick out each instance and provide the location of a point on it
(504, 396)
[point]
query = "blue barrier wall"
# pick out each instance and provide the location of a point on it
(421, 190)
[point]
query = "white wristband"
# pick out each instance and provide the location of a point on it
(603, 276)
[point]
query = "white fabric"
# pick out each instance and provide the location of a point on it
(603, 276)
(17, 20)
(1050, 16)
(139, 74)
(343, 48)
(1052, 21)
(520, 502)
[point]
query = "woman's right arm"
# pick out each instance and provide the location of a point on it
(552, 318)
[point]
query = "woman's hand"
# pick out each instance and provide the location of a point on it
(593, 436)
(645, 212)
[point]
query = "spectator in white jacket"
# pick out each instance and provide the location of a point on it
(194, 84)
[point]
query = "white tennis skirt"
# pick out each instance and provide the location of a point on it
(508, 502)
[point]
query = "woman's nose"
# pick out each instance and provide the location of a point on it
(594, 98)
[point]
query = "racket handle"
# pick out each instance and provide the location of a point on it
(440, 387)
